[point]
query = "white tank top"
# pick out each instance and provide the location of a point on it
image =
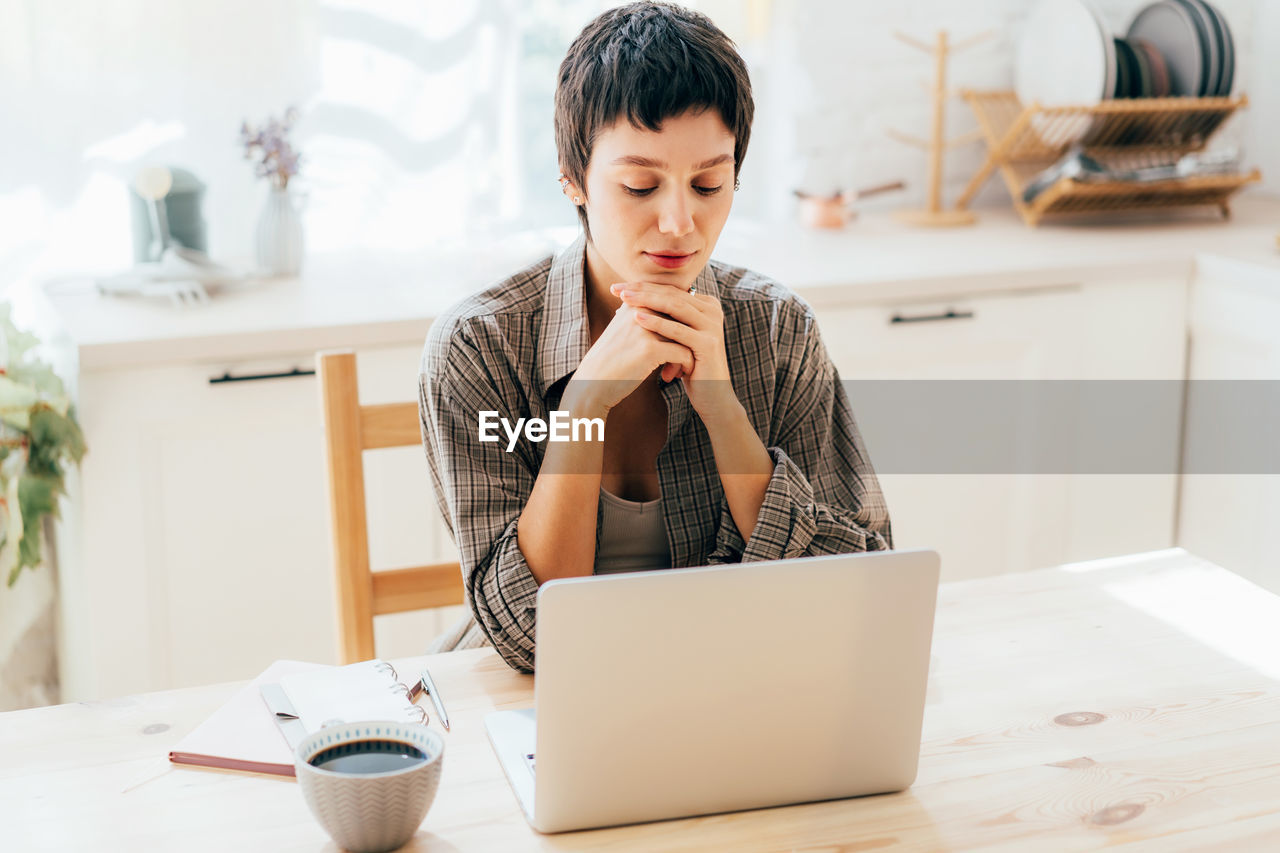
(633, 536)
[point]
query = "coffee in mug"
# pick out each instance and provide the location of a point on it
(368, 756)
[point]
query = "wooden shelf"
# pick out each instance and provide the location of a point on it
(1023, 141)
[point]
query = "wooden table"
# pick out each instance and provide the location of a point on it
(1126, 702)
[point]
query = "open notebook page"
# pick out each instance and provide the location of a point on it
(360, 691)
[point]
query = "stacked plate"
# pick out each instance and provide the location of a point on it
(1067, 55)
(1195, 42)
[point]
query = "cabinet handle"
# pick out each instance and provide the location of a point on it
(254, 377)
(949, 314)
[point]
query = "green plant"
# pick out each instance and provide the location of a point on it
(39, 435)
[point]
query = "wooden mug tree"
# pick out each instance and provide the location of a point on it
(934, 215)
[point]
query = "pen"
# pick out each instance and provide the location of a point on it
(429, 687)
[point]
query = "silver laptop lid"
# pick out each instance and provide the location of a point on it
(673, 693)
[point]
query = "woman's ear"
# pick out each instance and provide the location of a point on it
(570, 191)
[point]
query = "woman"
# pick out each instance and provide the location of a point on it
(727, 436)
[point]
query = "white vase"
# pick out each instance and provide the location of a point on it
(279, 237)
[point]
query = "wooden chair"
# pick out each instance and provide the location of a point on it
(350, 429)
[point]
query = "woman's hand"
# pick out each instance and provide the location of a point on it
(696, 322)
(624, 355)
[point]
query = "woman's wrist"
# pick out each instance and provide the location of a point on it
(585, 399)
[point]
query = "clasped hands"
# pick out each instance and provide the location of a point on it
(661, 326)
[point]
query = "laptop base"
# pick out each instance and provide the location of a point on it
(513, 735)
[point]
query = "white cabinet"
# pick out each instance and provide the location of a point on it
(196, 547)
(1230, 518)
(990, 523)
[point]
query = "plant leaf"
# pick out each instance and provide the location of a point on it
(53, 436)
(37, 497)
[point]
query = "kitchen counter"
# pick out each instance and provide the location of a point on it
(384, 300)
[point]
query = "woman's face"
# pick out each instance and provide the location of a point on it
(657, 201)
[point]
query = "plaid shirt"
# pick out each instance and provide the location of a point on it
(507, 349)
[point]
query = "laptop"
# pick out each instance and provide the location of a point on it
(677, 693)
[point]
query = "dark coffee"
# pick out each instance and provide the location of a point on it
(368, 756)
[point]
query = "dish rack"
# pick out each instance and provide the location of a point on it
(1121, 134)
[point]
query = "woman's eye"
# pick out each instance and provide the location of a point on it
(647, 190)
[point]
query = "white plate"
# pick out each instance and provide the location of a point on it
(1066, 57)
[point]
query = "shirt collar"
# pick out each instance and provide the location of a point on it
(566, 334)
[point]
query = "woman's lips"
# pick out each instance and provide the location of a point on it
(669, 261)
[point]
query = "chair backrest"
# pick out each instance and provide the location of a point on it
(349, 430)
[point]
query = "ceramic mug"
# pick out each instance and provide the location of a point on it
(370, 784)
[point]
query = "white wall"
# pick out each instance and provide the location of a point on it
(1263, 127)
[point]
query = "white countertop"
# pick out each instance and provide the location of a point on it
(386, 301)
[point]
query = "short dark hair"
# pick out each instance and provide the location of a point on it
(648, 61)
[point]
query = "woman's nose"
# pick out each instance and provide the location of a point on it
(674, 216)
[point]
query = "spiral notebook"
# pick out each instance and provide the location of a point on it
(258, 728)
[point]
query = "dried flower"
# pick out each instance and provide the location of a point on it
(279, 162)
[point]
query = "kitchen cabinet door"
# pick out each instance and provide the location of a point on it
(198, 549)
(1230, 518)
(984, 524)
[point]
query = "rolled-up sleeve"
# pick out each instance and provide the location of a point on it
(823, 496)
(481, 488)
